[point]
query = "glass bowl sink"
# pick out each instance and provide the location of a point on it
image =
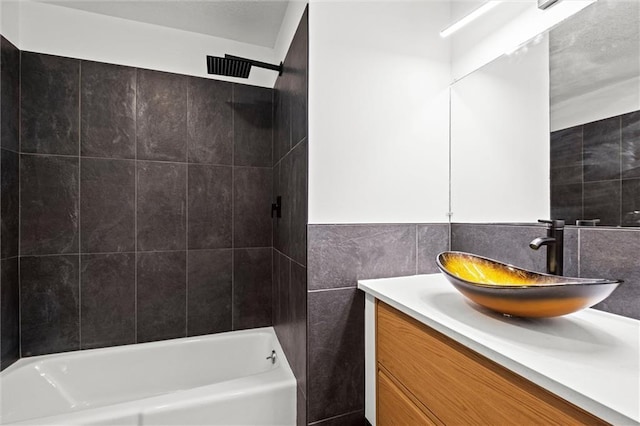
(515, 291)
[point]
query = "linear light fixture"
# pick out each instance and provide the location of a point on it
(545, 4)
(469, 18)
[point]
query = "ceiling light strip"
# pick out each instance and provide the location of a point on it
(469, 18)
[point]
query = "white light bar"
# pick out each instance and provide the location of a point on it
(545, 4)
(469, 18)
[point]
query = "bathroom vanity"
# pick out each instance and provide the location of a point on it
(432, 357)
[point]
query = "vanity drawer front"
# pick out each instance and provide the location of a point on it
(460, 386)
(395, 408)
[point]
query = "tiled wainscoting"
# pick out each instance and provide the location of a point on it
(338, 256)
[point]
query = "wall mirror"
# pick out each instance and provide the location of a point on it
(553, 129)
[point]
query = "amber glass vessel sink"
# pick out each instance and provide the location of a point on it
(515, 291)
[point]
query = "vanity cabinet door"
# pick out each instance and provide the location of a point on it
(460, 386)
(395, 408)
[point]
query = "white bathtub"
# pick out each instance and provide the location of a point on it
(222, 379)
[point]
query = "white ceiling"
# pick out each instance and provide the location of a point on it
(255, 22)
(596, 48)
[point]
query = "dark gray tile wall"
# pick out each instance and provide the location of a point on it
(340, 255)
(252, 290)
(589, 252)
(210, 204)
(107, 205)
(49, 304)
(252, 128)
(595, 170)
(252, 201)
(49, 103)
(351, 419)
(9, 311)
(49, 201)
(161, 122)
(505, 243)
(161, 295)
(613, 253)
(108, 113)
(9, 95)
(9, 202)
(209, 291)
(161, 206)
(144, 206)
(630, 152)
(336, 352)
(288, 180)
(108, 299)
(210, 122)
(430, 244)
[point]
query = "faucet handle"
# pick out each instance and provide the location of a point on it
(554, 223)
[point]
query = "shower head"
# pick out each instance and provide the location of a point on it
(228, 67)
(234, 66)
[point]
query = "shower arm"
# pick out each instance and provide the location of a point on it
(257, 63)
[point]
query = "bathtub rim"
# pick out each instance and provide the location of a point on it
(283, 373)
(28, 360)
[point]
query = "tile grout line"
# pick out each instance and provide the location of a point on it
(582, 170)
(579, 251)
(416, 240)
(135, 208)
(319, 290)
(275, 287)
(1, 239)
(93, 157)
(620, 169)
(79, 205)
(273, 148)
(10, 150)
(449, 164)
(186, 224)
(134, 251)
(318, 422)
(233, 191)
(19, 203)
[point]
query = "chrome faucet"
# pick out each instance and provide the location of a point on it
(555, 245)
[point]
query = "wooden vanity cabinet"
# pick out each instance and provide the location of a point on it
(426, 378)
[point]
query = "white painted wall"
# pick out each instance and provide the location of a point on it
(9, 17)
(378, 112)
(610, 101)
(57, 30)
(500, 140)
(503, 29)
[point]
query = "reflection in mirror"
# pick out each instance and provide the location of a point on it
(499, 134)
(579, 84)
(594, 60)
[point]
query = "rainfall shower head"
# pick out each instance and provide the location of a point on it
(228, 67)
(234, 66)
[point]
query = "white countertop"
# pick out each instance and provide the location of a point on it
(590, 358)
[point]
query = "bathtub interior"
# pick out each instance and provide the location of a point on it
(54, 384)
